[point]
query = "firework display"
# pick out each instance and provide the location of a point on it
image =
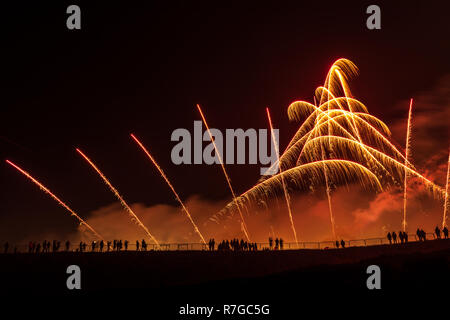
(337, 143)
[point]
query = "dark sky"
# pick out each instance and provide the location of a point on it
(142, 66)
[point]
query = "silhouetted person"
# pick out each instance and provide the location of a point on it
(405, 236)
(438, 232)
(337, 244)
(81, 246)
(270, 243)
(342, 243)
(400, 235)
(389, 237)
(213, 244)
(419, 234)
(101, 245)
(394, 237)
(210, 245)
(424, 235)
(277, 242)
(144, 245)
(93, 245)
(67, 245)
(137, 245)
(126, 245)
(281, 244)
(445, 231)
(30, 247)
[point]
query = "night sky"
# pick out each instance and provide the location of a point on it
(141, 68)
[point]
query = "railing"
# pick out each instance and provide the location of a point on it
(204, 247)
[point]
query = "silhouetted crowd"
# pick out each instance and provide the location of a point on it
(242, 245)
(100, 246)
(46, 246)
(232, 245)
(420, 234)
(278, 244)
(402, 237)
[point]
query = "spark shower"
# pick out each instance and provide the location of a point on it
(338, 142)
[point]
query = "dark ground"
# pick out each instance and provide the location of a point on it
(283, 279)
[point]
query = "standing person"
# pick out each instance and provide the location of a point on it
(67, 245)
(405, 235)
(400, 235)
(277, 242)
(270, 243)
(281, 244)
(337, 244)
(424, 235)
(389, 237)
(137, 245)
(101, 245)
(126, 245)
(419, 234)
(342, 243)
(445, 231)
(438, 232)
(394, 237)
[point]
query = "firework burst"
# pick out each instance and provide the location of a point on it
(338, 142)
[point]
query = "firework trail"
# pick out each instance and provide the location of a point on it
(286, 194)
(407, 156)
(119, 197)
(244, 226)
(446, 204)
(171, 187)
(327, 183)
(330, 208)
(61, 203)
